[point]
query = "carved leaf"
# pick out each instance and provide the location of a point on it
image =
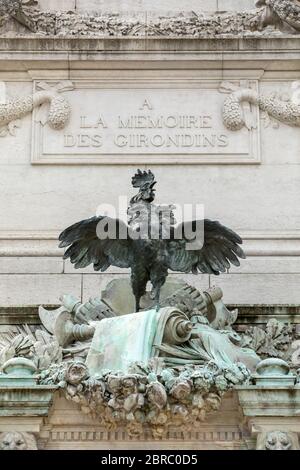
(228, 87)
(271, 341)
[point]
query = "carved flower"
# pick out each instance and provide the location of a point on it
(180, 411)
(157, 418)
(213, 401)
(115, 403)
(118, 415)
(157, 394)
(181, 390)
(94, 385)
(134, 401)
(158, 432)
(129, 385)
(71, 390)
(134, 429)
(76, 373)
(139, 416)
(202, 381)
(221, 383)
(114, 384)
(236, 374)
(243, 370)
(198, 401)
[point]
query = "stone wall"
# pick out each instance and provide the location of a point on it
(55, 172)
(68, 429)
(250, 185)
(258, 199)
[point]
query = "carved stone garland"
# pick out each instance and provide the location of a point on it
(149, 395)
(16, 108)
(287, 112)
(282, 14)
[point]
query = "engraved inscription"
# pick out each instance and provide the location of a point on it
(144, 124)
(130, 136)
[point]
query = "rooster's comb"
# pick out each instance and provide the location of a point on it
(141, 178)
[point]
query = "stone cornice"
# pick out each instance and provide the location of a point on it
(275, 43)
(270, 54)
(26, 401)
(248, 314)
(269, 400)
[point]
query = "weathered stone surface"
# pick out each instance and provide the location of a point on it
(143, 125)
(259, 288)
(143, 22)
(14, 440)
(234, 118)
(269, 401)
(31, 265)
(26, 401)
(268, 264)
(284, 15)
(28, 289)
(139, 402)
(52, 5)
(67, 430)
(259, 201)
(277, 440)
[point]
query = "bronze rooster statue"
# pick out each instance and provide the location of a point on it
(151, 243)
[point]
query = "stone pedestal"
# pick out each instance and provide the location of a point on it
(272, 407)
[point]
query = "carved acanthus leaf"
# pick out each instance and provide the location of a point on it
(273, 340)
(37, 345)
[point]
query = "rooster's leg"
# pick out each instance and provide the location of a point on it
(158, 276)
(155, 295)
(139, 279)
(137, 303)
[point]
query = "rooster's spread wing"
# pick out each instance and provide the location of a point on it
(220, 248)
(87, 248)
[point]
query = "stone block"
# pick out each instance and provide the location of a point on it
(30, 265)
(69, 269)
(268, 264)
(259, 288)
(39, 289)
